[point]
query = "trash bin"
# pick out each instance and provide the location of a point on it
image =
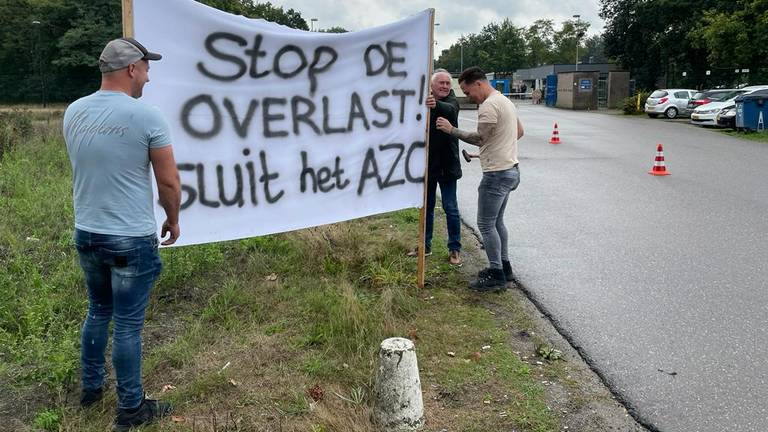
(752, 111)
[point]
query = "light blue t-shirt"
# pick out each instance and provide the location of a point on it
(108, 136)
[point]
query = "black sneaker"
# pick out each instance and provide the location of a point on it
(489, 279)
(507, 268)
(90, 397)
(149, 411)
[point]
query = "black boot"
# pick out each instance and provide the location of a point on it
(149, 411)
(489, 279)
(90, 397)
(507, 268)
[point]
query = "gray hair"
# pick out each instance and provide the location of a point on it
(439, 71)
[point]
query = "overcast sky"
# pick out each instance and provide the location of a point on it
(455, 17)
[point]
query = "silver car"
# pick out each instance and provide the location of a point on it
(668, 102)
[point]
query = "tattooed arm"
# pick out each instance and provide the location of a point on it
(484, 130)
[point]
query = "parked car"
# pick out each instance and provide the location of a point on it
(727, 116)
(705, 97)
(706, 115)
(669, 102)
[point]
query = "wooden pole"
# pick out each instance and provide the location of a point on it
(420, 276)
(127, 18)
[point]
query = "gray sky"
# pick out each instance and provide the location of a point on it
(454, 16)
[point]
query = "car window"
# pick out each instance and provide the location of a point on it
(719, 96)
(682, 95)
(732, 95)
(699, 95)
(659, 94)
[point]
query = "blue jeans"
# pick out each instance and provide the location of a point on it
(119, 273)
(492, 198)
(451, 208)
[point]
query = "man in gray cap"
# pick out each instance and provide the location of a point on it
(112, 140)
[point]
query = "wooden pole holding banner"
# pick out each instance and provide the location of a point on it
(423, 213)
(127, 18)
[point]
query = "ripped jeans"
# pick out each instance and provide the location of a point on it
(119, 273)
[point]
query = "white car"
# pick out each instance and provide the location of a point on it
(706, 115)
(668, 102)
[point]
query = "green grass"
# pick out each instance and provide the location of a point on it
(752, 136)
(233, 345)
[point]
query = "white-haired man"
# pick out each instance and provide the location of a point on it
(444, 166)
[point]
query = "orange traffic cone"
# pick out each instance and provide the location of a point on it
(659, 169)
(555, 136)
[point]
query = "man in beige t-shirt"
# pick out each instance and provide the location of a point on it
(498, 129)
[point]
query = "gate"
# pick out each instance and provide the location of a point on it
(602, 93)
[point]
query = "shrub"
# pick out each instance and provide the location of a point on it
(631, 103)
(15, 126)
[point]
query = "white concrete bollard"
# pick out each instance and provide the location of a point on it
(397, 405)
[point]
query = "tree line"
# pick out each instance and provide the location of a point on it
(674, 43)
(663, 43)
(49, 49)
(503, 47)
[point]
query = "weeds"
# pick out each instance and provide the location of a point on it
(15, 127)
(47, 420)
(284, 312)
(549, 353)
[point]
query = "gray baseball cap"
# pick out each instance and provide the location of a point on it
(120, 53)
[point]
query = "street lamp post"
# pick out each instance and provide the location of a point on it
(39, 62)
(461, 53)
(576, 31)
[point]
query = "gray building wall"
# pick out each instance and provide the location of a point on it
(577, 90)
(618, 88)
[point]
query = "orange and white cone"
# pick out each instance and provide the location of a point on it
(659, 169)
(555, 136)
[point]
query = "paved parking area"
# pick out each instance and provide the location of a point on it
(660, 282)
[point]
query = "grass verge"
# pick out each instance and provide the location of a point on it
(752, 136)
(270, 333)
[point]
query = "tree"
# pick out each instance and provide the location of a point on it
(594, 50)
(249, 8)
(653, 38)
(567, 39)
(499, 47)
(49, 49)
(735, 40)
(539, 43)
(507, 47)
(451, 59)
(79, 45)
(334, 29)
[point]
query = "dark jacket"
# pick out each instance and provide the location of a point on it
(443, 148)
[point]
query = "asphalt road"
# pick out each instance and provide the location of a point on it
(660, 282)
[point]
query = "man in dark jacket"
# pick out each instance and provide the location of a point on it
(444, 165)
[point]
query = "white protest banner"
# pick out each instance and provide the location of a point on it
(276, 129)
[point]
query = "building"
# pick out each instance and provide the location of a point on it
(610, 87)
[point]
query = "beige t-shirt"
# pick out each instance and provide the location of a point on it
(499, 152)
